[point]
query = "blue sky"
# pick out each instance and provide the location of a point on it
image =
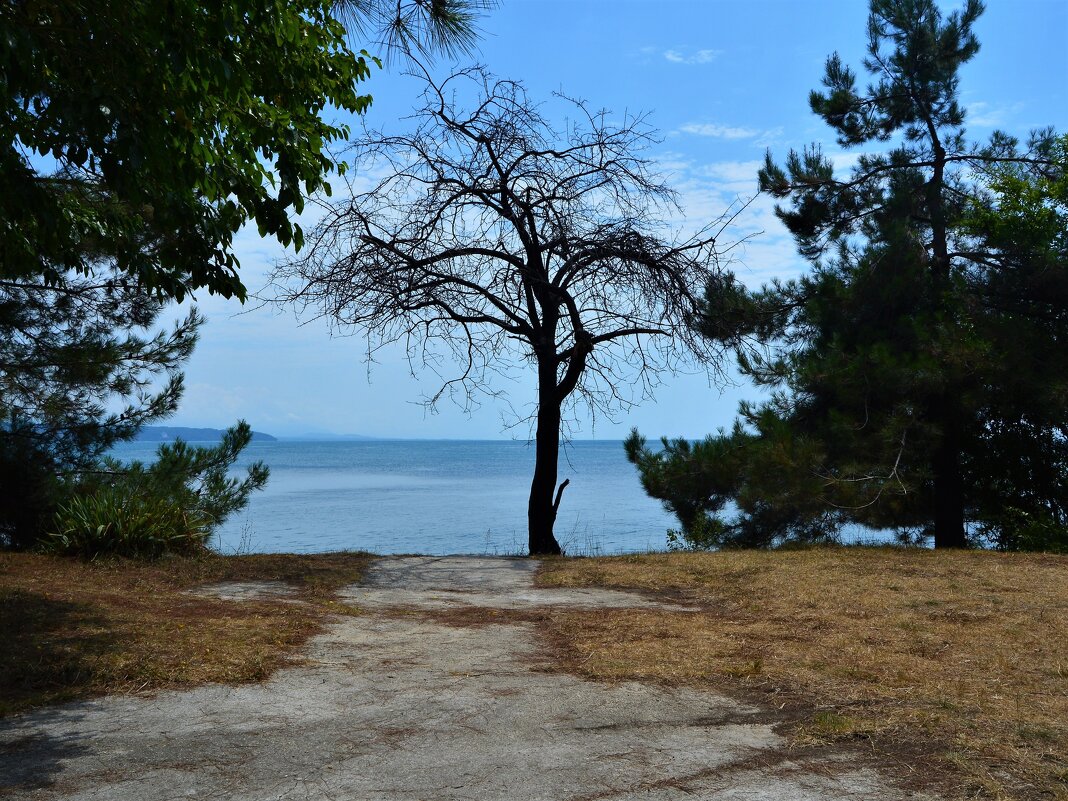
(721, 81)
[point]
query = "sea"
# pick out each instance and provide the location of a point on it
(433, 497)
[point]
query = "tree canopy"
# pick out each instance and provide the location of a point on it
(137, 140)
(148, 134)
(415, 30)
(915, 371)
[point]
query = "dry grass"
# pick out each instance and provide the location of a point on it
(74, 629)
(956, 662)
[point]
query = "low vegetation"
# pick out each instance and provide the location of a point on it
(952, 662)
(73, 629)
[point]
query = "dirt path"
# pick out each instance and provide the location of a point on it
(395, 706)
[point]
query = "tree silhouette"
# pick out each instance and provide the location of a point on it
(494, 238)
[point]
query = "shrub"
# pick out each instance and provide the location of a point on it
(705, 533)
(170, 506)
(197, 478)
(1021, 530)
(117, 521)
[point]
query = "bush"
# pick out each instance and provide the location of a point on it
(705, 533)
(170, 506)
(1020, 530)
(116, 521)
(197, 478)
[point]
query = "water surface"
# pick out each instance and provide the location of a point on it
(434, 497)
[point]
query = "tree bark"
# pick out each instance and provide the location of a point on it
(948, 512)
(541, 511)
(948, 481)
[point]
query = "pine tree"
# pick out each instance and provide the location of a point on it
(916, 369)
(77, 367)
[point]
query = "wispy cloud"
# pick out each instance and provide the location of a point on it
(697, 57)
(755, 246)
(769, 137)
(733, 176)
(719, 131)
(844, 162)
(984, 115)
(761, 138)
(673, 162)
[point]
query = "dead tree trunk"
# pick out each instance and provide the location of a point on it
(541, 509)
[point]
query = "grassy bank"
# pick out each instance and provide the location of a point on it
(74, 629)
(953, 664)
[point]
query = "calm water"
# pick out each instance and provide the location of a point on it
(434, 497)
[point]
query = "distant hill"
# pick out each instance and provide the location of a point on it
(171, 433)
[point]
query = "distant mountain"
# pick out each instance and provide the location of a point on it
(171, 433)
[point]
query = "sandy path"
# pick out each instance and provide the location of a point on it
(396, 707)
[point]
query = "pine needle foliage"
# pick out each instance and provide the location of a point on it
(915, 373)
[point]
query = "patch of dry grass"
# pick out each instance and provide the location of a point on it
(73, 629)
(962, 656)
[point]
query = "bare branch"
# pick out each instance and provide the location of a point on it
(492, 239)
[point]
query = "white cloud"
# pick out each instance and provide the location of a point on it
(719, 131)
(698, 57)
(983, 115)
(769, 137)
(672, 161)
(731, 172)
(844, 162)
(755, 245)
(760, 138)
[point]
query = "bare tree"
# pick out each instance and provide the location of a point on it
(495, 238)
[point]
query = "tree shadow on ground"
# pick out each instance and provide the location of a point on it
(30, 760)
(49, 648)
